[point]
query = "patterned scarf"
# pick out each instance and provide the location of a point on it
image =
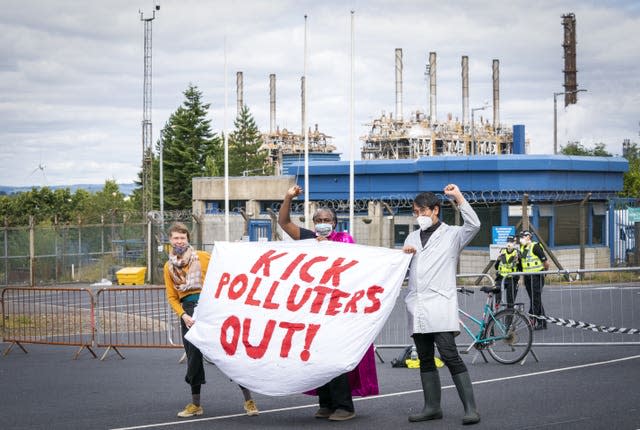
(189, 279)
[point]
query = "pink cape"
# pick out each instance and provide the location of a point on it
(363, 379)
(340, 236)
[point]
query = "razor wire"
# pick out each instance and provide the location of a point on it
(487, 197)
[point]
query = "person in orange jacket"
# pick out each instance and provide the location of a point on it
(184, 275)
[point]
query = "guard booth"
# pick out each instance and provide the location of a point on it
(259, 229)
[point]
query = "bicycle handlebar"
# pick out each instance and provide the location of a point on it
(464, 290)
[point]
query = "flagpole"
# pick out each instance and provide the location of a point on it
(226, 150)
(306, 132)
(351, 139)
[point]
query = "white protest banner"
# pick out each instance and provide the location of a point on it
(285, 317)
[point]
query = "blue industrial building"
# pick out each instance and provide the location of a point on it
(555, 187)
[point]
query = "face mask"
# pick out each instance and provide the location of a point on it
(509, 246)
(324, 229)
(424, 222)
(179, 250)
(523, 241)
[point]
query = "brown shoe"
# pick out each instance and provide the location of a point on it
(341, 415)
(323, 413)
(250, 408)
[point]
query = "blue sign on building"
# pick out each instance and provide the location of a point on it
(499, 234)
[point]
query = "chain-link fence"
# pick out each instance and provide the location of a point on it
(63, 253)
(78, 252)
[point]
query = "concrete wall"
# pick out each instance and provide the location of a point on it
(377, 230)
(374, 229)
(242, 188)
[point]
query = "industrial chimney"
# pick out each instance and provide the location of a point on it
(465, 90)
(239, 85)
(272, 103)
(496, 94)
(432, 88)
(570, 69)
(398, 84)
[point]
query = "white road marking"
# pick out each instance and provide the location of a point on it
(381, 396)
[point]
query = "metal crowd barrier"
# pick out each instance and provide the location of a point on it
(588, 307)
(396, 333)
(135, 317)
(583, 307)
(54, 316)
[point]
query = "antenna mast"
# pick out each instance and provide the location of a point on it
(147, 149)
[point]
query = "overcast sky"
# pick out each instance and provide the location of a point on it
(71, 72)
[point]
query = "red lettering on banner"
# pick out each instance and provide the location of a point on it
(224, 280)
(268, 303)
(257, 352)
(333, 273)
(230, 346)
(319, 300)
(264, 262)
(250, 300)
(286, 341)
(334, 302)
(292, 266)
(231, 330)
(371, 295)
(304, 270)
(291, 301)
(311, 333)
(351, 305)
(243, 281)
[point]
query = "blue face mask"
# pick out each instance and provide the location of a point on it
(324, 229)
(179, 250)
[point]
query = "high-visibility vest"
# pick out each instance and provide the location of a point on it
(507, 262)
(530, 261)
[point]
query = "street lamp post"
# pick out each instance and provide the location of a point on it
(555, 117)
(473, 128)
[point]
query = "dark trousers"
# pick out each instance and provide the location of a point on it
(445, 341)
(195, 367)
(336, 394)
(534, 285)
(510, 288)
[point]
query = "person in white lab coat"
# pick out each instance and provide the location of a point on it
(432, 301)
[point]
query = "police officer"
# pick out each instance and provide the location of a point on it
(507, 262)
(533, 259)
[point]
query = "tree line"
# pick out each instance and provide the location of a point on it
(631, 179)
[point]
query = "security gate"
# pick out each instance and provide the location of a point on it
(623, 214)
(259, 229)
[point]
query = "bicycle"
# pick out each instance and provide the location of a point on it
(507, 334)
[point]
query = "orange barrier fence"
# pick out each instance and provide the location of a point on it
(55, 316)
(135, 317)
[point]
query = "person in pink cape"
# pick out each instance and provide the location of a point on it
(336, 396)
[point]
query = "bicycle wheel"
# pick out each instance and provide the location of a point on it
(510, 335)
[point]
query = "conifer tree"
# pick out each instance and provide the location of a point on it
(245, 156)
(189, 148)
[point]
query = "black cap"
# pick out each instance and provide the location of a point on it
(525, 233)
(510, 238)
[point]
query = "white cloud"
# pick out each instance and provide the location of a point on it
(71, 71)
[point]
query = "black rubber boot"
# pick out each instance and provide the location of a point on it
(431, 390)
(465, 391)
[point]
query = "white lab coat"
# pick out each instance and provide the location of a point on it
(432, 301)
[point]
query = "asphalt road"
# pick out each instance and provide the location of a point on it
(593, 387)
